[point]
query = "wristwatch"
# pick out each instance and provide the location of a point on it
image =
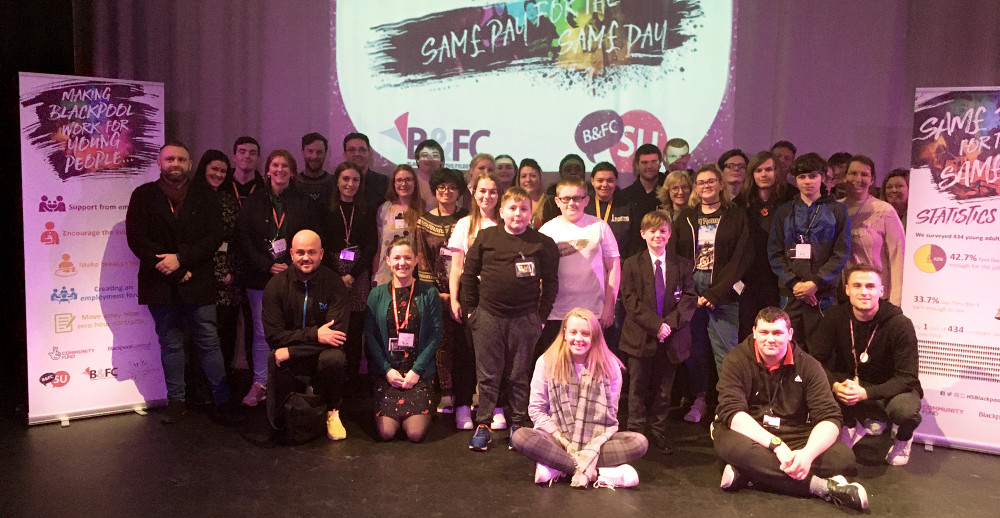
(775, 442)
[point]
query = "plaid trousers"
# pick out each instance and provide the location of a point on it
(621, 448)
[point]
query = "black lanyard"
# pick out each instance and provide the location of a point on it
(811, 222)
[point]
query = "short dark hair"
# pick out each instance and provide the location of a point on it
(175, 143)
(809, 163)
(530, 162)
(863, 159)
(771, 315)
(309, 138)
(567, 158)
(901, 173)
(730, 154)
(446, 175)
(785, 144)
(246, 140)
(645, 149)
(861, 267)
(355, 135)
(402, 241)
(604, 166)
(839, 158)
(431, 143)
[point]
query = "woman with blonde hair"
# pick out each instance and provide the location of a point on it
(574, 407)
(675, 193)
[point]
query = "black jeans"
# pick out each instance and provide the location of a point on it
(323, 368)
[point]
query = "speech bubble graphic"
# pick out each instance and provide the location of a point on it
(641, 127)
(598, 131)
(57, 379)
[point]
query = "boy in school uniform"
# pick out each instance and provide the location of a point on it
(508, 287)
(660, 299)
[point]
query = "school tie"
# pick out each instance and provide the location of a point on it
(659, 286)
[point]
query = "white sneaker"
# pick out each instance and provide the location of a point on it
(851, 435)
(463, 418)
(899, 454)
(446, 406)
(697, 410)
(499, 421)
(546, 475)
(617, 476)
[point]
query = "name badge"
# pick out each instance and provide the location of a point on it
(738, 287)
(278, 247)
(525, 268)
(224, 247)
(347, 254)
(803, 251)
(403, 343)
(399, 223)
(771, 421)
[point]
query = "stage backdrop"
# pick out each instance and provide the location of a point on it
(953, 264)
(535, 79)
(86, 143)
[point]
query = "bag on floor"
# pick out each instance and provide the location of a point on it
(304, 418)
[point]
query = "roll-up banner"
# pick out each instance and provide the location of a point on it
(86, 143)
(952, 273)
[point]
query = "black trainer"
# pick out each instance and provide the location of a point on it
(176, 409)
(844, 494)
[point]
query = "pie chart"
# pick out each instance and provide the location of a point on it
(930, 258)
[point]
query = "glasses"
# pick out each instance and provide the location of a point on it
(710, 181)
(447, 188)
(736, 166)
(403, 181)
(429, 155)
(570, 199)
(679, 188)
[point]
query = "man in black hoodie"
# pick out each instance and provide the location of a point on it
(777, 422)
(869, 351)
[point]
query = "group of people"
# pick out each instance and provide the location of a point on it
(447, 286)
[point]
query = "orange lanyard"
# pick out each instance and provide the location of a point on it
(348, 225)
(395, 309)
(237, 191)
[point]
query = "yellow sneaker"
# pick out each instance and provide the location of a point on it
(334, 428)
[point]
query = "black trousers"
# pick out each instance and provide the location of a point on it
(761, 466)
(902, 410)
(323, 368)
(651, 380)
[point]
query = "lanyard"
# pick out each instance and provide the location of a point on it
(348, 225)
(395, 310)
(607, 212)
(811, 222)
(239, 200)
(173, 208)
(863, 358)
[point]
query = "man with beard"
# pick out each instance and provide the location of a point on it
(174, 227)
(313, 180)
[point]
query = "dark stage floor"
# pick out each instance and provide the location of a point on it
(130, 465)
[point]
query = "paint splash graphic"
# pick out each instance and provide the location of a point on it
(956, 137)
(567, 42)
(93, 128)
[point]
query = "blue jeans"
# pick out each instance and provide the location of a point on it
(169, 320)
(260, 349)
(717, 328)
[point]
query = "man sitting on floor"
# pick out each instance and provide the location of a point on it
(305, 314)
(777, 422)
(869, 350)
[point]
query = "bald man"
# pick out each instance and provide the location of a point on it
(305, 315)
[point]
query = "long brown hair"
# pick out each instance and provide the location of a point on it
(475, 215)
(750, 185)
(359, 198)
(416, 207)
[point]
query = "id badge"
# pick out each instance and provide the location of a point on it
(278, 247)
(399, 223)
(738, 287)
(803, 251)
(771, 421)
(525, 268)
(347, 254)
(224, 247)
(403, 343)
